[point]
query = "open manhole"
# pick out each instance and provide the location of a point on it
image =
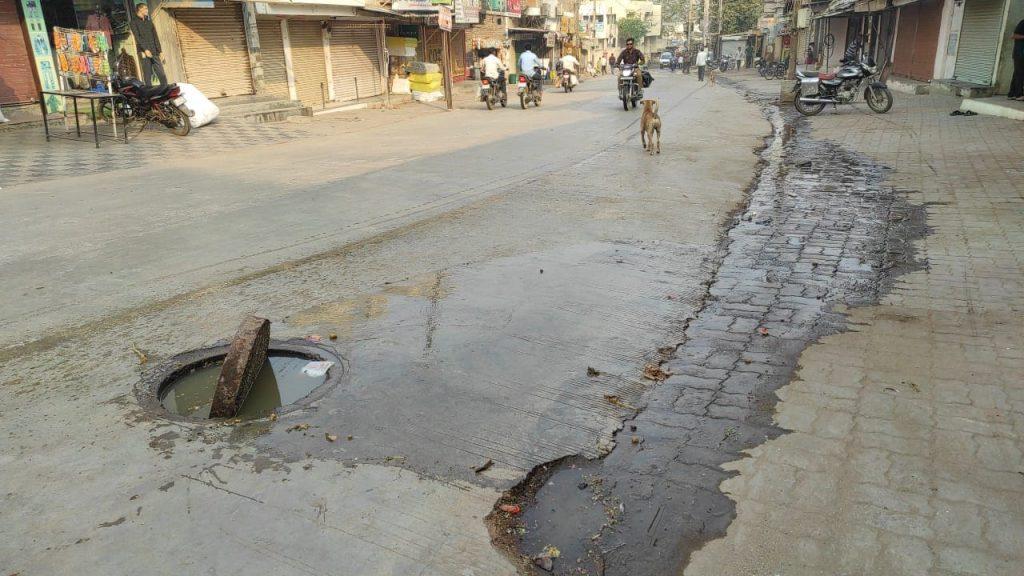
(291, 377)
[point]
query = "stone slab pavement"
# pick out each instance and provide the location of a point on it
(904, 454)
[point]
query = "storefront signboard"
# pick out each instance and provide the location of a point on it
(35, 22)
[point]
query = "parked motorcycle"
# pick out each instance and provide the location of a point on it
(529, 88)
(162, 104)
(631, 85)
(495, 91)
(814, 90)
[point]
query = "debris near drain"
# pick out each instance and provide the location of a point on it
(593, 372)
(545, 563)
(481, 468)
(655, 373)
(616, 400)
(512, 509)
(298, 428)
(142, 355)
(244, 360)
(762, 331)
(330, 437)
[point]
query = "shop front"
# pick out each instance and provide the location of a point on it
(917, 35)
(980, 37)
(17, 83)
(357, 64)
(214, 52)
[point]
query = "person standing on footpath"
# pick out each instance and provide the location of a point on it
(148, 45)
(1017, 84)
(702, 62)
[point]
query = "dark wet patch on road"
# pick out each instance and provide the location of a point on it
(821, 230)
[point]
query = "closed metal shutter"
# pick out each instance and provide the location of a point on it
(356, 61)
(979, 38)
(308, 63)
(917, 38)
(275, 72)
(213, 49)
(17, 84)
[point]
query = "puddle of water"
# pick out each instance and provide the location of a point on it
(280, 383)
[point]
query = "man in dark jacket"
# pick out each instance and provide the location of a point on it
(148, 44)
(1017, 84)
(630, 55)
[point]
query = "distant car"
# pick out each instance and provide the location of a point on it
(665, 59)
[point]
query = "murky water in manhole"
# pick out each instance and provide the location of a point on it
(281, 382)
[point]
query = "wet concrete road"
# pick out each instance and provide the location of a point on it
(471, 288)
(822, 231)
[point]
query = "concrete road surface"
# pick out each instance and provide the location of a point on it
(472, 264)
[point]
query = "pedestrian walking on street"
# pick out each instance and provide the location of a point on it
(148, 44)
(702, 62)
(739, 57)
(1017, 84)
(602, 64)
(812, 55)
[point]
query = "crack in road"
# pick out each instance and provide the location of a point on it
(820, 230)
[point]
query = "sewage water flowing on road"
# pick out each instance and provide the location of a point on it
(821, 230)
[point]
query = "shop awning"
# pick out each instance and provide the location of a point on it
(870, 5)
(838, 8)
(528, 30)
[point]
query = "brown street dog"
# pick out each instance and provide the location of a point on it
(650, 123)
(712, 76)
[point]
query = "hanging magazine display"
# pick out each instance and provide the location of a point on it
(82, 56)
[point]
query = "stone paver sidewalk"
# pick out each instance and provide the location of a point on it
(905, 450)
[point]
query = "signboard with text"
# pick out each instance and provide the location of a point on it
(467, 11)
(444, 18)
(510, 7)
(35, 23)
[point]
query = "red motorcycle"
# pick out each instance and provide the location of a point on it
(162, 104)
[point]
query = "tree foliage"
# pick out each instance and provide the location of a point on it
(737, 15)
(633, 27)
(740, 15)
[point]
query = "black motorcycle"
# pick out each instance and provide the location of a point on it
(494, 91)
(631, 85)
(162, 104)
(530, 89)
(813, 90)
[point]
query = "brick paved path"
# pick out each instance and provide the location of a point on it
(905, 451)
(26, 157)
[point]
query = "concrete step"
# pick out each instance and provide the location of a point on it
(260, 109)
(995, 106)
(907, 85)
(961, 89)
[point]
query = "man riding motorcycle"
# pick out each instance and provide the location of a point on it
(630, 55)
(493, 67)
(530, 66)
(570, 63)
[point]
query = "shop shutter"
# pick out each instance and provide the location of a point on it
(356, 61)
(213, 49)
(917, 39)
(275, 73)
(307, 45)
(979, 38)
(17, 84)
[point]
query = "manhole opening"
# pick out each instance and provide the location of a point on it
(184, 386)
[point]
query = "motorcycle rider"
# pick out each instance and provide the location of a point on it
(630, 55)
(570, 63)
(530, 66)
(493, 68)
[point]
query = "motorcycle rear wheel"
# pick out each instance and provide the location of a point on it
(807, 108)
(504, 99)
(179, 123)
(489, 100)
(522, 100)
(881, 102)
(625, 104)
